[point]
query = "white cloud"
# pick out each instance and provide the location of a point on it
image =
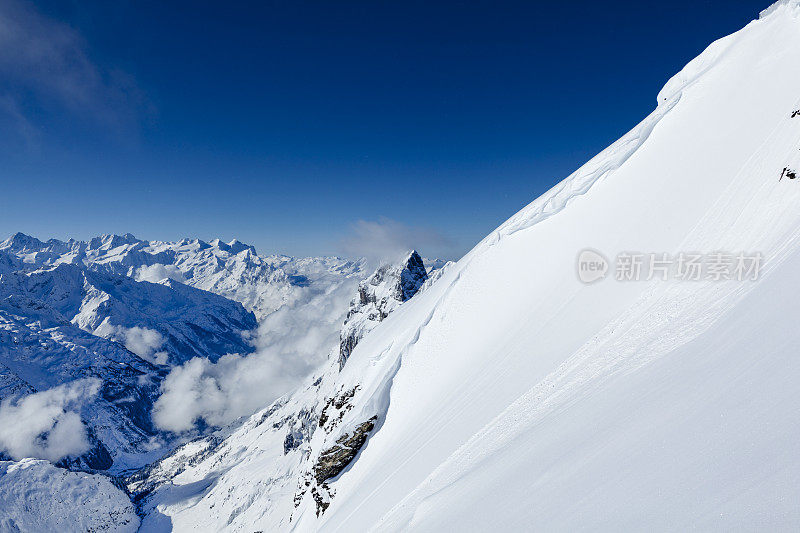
(144, 342)
(45, 425)
(158, 272)
(290, 344)
(386, 240)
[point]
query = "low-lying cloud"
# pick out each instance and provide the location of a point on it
(158, 272)
(290, 344)
(144, 342)
(46, 425)
(386, 240)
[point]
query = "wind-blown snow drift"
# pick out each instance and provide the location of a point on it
(510, 396)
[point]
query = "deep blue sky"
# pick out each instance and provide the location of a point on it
(283, 123)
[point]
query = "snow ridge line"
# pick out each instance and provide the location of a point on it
(583, 179)
(778, 5)
(613, 157)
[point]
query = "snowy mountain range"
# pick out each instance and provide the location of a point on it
(501, 392)
(233, 270)
(126, 311)
(81, 334)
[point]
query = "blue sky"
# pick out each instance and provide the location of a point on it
(318, 127)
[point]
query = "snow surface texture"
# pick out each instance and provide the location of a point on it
(35, 496)
(509, 396)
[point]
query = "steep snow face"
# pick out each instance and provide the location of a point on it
(378, 295)
(509, 395)
(233, 270)
(36, 496)
(527, 399)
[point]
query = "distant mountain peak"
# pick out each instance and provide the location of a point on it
(21, 242)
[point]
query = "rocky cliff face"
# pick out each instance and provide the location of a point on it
(379, 295)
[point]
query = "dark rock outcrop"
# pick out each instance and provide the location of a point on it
(332, 461)
(378, 296)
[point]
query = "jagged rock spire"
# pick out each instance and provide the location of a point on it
(379, 295)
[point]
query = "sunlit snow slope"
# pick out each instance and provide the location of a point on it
(510, 396)
(525, 398)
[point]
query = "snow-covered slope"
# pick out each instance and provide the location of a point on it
(36, 496)
(508, 395)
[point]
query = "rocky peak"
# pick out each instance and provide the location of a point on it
(111, 241)
(378, 295)
(21, 242)
(412, 276)
(237, 246)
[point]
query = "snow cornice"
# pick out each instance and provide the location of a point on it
(778, 5)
